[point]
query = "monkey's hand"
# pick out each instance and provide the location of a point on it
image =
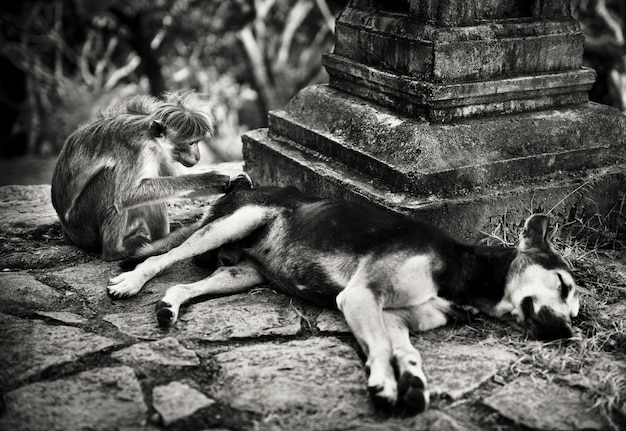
(126, 284)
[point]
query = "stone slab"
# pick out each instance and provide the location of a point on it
(429, 159)
(167, 351)
(24, 209)
(100, 399)
(454, 369)
(331, 321)
(315, 375)
(255, 314)
(178, 400)
(63, 317)
(24, 290)
(539, 404)
(30, 346)
(431, 420)
(249, 315)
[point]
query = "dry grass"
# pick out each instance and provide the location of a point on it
(595, 359)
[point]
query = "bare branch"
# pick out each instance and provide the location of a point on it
(122, 72)
(327, 14)
(295, 18)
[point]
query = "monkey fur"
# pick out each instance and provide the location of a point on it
(114, 174)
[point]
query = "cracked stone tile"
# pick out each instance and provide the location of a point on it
(178, 400)
(543, 405)
(316, 374)
(31, 346)
(331, 321)
(63, 317)
(247, 315)
(24, 290)
(167, 351)
(431, 420)
(25, 208)
(441, 364)
(100, 399)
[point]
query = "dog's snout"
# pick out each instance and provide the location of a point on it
(547, 325)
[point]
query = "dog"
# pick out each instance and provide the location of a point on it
(387, 273)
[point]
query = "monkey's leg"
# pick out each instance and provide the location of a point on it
(225, 280)
(152, 190)
(224, 230)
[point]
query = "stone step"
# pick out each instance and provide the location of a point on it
(275, 160)
(425, 159)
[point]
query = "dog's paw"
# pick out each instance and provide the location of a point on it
(124, 285)
(166, 314)
(413, 398)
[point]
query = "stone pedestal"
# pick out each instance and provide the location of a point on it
(450, 111)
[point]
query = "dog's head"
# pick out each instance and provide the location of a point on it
(540, 290)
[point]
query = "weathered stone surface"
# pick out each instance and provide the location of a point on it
(64, 317)
(24, 209)
(29, 347)
(178, 400)
(454, 369)
(431, 420)
(331, 321)
(167, 351)
(253, 314)
(539, 404)
(101, 399)
(316, 375)
(22, 289)
(141, 324)
(89, 279)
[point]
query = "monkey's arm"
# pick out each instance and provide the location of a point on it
(69, 184)
(160, 188)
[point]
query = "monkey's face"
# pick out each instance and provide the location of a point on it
(186, 153)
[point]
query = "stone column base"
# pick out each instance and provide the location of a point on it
(465, 176)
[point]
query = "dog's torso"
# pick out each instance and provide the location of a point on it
(311, 248)
(388, 274)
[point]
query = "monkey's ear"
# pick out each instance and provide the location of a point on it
(157, 129)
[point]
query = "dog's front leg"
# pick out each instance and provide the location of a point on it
(225, 280)
(222, 231)
(412, 393)
(364, 316)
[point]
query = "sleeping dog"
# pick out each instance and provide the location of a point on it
(387, 273)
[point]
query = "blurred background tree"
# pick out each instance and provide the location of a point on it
(63, 60)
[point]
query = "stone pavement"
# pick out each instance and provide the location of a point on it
(72, 359)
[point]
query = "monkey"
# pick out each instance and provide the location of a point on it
(113, 174)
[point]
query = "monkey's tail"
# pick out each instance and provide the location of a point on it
(160, 246)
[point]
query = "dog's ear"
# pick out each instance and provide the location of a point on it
(536, 234)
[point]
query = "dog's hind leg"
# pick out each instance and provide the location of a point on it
(224, 281)
(364, 316)
(223, 230)
(407, 361)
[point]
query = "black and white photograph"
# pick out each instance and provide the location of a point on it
(313, 215)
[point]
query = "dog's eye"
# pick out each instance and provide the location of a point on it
(565, 288)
